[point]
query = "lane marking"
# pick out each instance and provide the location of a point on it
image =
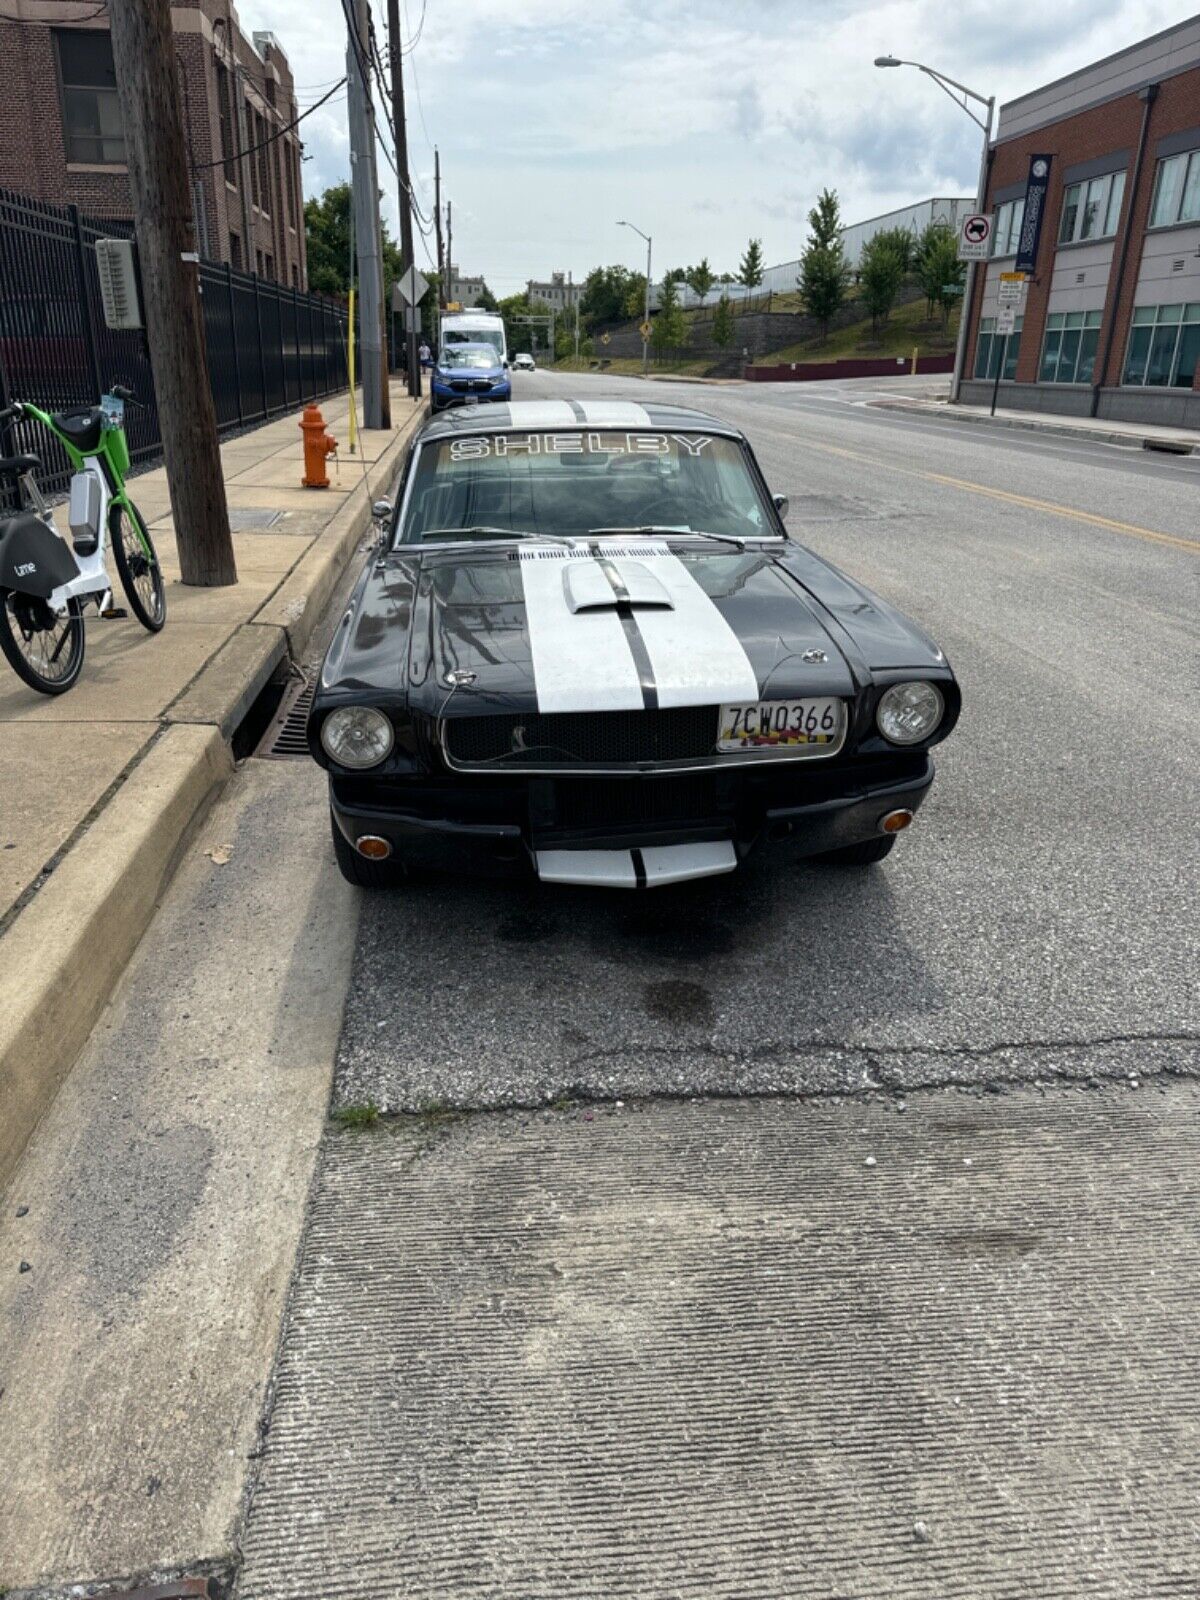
(1010, 498)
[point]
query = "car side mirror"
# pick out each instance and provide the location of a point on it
(781, 505)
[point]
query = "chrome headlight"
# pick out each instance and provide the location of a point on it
(356, 736)
(909, 712)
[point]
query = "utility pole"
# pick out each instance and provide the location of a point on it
(437, 211)
(400, 130)
(148, 90)
(449, 249)
(365, 196)
(574, 299)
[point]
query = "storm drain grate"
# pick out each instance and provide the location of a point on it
(285, 737)
(247, 519)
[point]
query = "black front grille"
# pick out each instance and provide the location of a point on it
(632, 802)
(534, 739)
(471, 385)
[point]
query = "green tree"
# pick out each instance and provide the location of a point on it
(327, 240)
(722, 328)
(902, 242)
(670, 328)
(635, 300)
(939, 271)
(880, 274)
(606, 291)
(823, 270)
(825, 221)
(701, 277)
(486, 300)
(750, 269)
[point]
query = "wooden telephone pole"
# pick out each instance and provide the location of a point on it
(437, 215)
(148, 90)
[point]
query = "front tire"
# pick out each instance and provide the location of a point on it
(44, 650)
(358, 870)
(861, 855)
(141, 574)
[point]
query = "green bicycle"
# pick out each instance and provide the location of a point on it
(45, 582)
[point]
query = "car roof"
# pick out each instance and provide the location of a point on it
(522, 416)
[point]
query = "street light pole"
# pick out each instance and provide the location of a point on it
(646, 315)
(950, 86)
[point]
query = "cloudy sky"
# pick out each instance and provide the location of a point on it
(703, 121)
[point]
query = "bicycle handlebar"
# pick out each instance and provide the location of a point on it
(10, 413)
(120, 392)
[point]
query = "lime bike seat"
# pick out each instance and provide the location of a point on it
(81, 426)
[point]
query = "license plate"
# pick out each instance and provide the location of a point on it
(779, 724)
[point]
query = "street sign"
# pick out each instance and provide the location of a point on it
(951, 289)
(1006, 320)
(644, 329)
(413, 286)
(1011, 289)
(975, 237)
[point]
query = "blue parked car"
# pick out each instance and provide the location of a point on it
(466, 373)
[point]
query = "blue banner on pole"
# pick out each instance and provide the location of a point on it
(1035, 207)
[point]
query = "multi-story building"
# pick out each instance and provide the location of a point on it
(1110, 324)
(464, 291)
(560, 294)
(61, 137)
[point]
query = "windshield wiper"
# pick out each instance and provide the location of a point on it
(687, 533)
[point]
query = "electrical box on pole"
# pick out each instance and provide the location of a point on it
(119, 296)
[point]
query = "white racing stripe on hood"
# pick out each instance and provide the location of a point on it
(696, 656)
(541, 414)
(615, 414)
(581, 660)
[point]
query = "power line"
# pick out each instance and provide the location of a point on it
(236, 155)
(407, 49)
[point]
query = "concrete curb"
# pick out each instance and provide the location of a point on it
(1131, 441)
(79, 932)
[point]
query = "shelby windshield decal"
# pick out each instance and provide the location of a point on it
(577, 444)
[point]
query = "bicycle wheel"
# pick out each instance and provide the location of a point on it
(141, 574)
(44, 648)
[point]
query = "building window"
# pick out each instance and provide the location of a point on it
(295, 276)
(258, 258)
(993, 347)
(269, 265)
(1176, 190)
(235, 252)
(225, 119)
(1069, 349)
(91, 113)
(1091, 210)
(264, 166)
(1164, 343)
(289, 167)
(1006, 227)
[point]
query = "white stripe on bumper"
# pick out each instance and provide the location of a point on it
(615, 869)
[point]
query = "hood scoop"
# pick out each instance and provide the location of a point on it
(600, 585)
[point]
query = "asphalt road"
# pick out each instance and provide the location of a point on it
(1039, 920)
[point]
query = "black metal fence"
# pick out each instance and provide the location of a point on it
(270, 349)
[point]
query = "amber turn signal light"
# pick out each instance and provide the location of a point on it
(373, 847)
(894, 822)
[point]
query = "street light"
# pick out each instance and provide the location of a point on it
(950, 87)
(646, 318)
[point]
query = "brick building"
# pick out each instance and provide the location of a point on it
(61, 138)
(1111, 320)
(558, 291)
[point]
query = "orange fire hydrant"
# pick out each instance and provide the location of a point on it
(317, 445)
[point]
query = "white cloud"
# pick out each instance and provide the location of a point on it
(705, 121)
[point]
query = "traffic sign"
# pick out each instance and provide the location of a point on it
(413, 286)
(975, 237)
(1006, 319)
(1011, 289)
(644, 329)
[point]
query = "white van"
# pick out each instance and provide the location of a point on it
(473, 327)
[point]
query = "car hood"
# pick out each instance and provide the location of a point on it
(636, 625)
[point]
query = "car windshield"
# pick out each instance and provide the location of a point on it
(467, 356)
(572, 482)
(489, 336)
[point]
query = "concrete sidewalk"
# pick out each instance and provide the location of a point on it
(84, 848)
(1134, 435)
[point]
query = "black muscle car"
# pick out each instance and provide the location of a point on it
(586, 648)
